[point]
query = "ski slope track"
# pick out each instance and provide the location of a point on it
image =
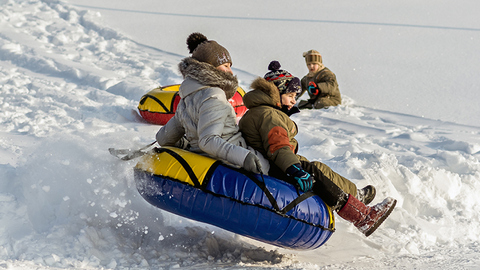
(69, 88)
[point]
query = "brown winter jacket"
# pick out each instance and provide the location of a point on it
(266, 128)
(328, 86)
(271, 132)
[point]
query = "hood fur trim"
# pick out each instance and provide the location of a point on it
(268, 88)
(208, 75)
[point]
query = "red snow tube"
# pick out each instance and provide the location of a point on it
(160, 104)
(237, 102)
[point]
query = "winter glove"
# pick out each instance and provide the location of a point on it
(313, 89)
(303, 178)
(183, 143)
(252, 163)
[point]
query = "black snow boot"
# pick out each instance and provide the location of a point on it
(366, 194)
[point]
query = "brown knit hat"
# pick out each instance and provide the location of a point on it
(208, 51)
(312, 57)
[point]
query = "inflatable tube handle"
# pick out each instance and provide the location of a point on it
(144, 98)
(184, 163)
(297, 200)
(128, 154)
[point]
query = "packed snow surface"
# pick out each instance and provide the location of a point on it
(70, 82)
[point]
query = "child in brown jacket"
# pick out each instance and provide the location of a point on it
(267, 127)
(320, 83)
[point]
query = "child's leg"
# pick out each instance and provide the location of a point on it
(304, 104)
(319, 170)
(324, 102)
(326, 189)
(365, 218)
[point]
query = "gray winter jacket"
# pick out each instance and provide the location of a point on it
(204, 114)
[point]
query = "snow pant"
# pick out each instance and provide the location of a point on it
(322, 172)
(325, 188)
(319, 103)
(329, 185)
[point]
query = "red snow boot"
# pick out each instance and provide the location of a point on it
(366, 218)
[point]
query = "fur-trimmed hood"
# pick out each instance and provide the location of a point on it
(208, 75)
(263, 93)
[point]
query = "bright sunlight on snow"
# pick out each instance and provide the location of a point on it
(72, 73)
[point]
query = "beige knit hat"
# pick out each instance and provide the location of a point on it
(208, 51)
(312, 57)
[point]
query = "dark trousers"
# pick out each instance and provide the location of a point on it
(325, 188)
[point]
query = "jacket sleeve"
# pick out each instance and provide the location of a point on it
(276, 142)
(212, 118)
(171, 133)
(327, 83)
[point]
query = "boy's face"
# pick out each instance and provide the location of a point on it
(313, 67)
(288, 99)
(225, 68)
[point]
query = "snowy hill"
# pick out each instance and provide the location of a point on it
(69, 87)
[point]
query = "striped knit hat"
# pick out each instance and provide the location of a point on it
(312, 57)
(283, 80)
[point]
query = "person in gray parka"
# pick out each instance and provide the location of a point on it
(204, 117)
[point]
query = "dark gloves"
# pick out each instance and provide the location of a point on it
(313, 89)
(304, 179)
(252, 163)
(183, 143)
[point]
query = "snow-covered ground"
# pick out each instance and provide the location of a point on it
(72, 73)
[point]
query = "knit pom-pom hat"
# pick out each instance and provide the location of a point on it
(283, 80)
(208, 51)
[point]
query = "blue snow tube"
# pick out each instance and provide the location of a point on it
(257, 206)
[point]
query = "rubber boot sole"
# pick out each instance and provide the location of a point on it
(381, 220)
